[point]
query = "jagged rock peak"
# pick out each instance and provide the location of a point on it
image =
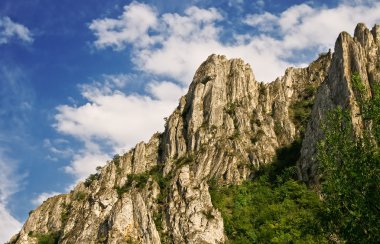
(365, 36)
(241, 121)
(353, 55)
(376, 33)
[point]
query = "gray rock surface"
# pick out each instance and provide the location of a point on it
(353, 55)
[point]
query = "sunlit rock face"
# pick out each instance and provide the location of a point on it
(225, 128)
(353, 55)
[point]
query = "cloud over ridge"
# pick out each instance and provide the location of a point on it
(173, 45)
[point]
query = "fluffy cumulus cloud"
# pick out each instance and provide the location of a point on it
(177, 35)
(85, 162)
(131, 26)
(9, 184)
(173, 45)
(10, 29)
(303, 27)
(263, 21)
(165, 91)
(115, 116)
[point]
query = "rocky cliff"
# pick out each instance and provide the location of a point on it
(224, 129)
(353, 55)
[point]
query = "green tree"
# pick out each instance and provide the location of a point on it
(350, 169)
(273, 208)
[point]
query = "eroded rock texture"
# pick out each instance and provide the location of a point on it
(353, 55)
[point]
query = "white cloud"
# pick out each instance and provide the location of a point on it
(85, 162)
(113, 116)
(9, 226)
(113, 119)
(302, 27)
(165, 91)
(132, 26)
(189, 39)
(176, 44)
(294, 16)
(265, 22)
(180, 43)
(117, 80)
(9, 184)
(10, 29)
(43, 196)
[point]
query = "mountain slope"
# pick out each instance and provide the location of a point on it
(224, 129)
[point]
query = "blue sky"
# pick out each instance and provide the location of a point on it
(81, 81)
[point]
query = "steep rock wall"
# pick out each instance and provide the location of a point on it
(353, 55)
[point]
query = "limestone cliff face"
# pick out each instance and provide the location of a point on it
(359, 54)
(223, 129)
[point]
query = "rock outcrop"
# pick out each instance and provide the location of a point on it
(224, 129)
(353, 55)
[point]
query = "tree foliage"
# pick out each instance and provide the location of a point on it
(273, 208)
(350, 169)
(46, 238)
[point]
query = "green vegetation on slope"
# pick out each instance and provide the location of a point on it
(350, 168)
(49, 238)
(273, 208)
(300, 110)
(46, 238)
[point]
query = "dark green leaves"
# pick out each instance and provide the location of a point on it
(265, 211)
(350, 170)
